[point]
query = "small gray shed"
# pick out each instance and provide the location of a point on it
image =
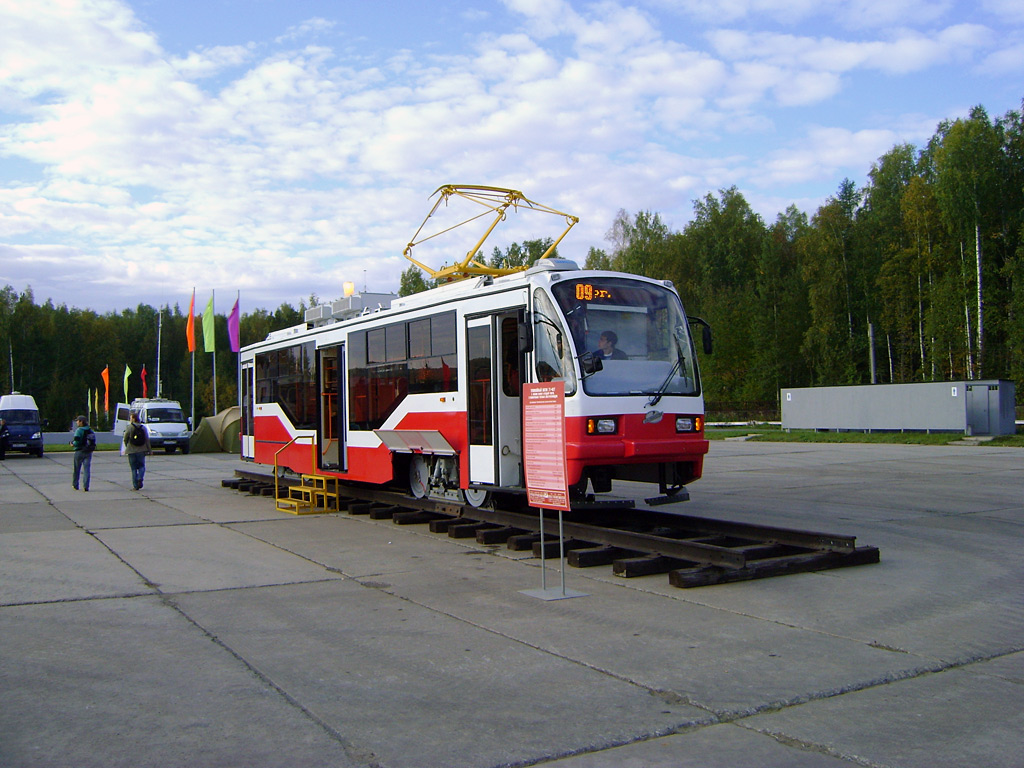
(984, 407)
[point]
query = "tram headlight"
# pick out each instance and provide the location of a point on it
(606, 425)
(689, 423)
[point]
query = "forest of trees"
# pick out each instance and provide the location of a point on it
(57, 354)
(917, 276)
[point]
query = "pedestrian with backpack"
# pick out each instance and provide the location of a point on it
(136, 448)
(84, 441)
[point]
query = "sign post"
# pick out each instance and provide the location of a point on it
(544, 463)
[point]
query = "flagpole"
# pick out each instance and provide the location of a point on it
(213, 357)
(159, 330)
(238, 352)
(190, 336)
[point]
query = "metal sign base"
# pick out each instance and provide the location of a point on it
(552, 593)
(545, 592)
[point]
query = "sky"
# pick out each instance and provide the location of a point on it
(273, 150)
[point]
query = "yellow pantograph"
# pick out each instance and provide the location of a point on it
(496, 201)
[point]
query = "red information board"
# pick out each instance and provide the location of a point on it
(544, 445)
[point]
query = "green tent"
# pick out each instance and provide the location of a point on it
(218, 433)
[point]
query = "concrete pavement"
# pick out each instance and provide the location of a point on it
(189, 625)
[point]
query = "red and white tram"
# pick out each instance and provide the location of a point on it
(425, 393)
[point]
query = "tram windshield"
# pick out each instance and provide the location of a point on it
(636, 329)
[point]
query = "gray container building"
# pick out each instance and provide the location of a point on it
(984, 407)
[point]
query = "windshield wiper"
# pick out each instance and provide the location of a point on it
(677, 335)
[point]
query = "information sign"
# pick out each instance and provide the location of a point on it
(544, 445)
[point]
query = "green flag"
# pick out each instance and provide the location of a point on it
(127, 373)
(208, 344)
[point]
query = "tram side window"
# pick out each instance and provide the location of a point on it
(386, 364)
(288, 377)
(432, 366)
(358, 382)
(378, 386)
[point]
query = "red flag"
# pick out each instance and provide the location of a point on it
(233, 328)
(145, 389)
(190, 329)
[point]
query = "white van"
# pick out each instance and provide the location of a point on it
(167, 424)
(23, 423)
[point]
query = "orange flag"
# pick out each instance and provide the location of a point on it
(105, 374)
(190, 329)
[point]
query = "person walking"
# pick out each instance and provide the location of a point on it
(136, 448)
(84, 446)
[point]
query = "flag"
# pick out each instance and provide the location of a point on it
(190, 329)
(105, 375)
(88, 403)
(127, 373)
(96, 403)
(208, 326)
(233, 328)
(145, 389)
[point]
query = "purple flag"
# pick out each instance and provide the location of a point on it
(233, 328)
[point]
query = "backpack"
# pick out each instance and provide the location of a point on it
(89, 444)
(137, 436)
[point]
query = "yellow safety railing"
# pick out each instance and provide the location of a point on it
(312, 451)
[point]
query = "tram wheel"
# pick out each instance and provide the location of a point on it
(477, 497)
(418, 476)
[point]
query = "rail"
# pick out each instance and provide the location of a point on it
(694, 551)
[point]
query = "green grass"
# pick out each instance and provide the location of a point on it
(773, 433)
(65, 448)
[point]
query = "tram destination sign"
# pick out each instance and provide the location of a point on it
(544, 445)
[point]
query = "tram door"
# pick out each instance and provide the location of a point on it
(331, 432)
(494, 377)
(248, 446)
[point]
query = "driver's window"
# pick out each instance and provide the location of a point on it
(552, 350)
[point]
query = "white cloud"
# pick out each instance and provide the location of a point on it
(906, 52)
(1010, 11)
(279, 168)
(308, 28)
(208, 62)
(855, 14)
(824, 152)
(1007, 61)
(52, 47)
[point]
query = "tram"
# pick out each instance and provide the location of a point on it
(423, 392)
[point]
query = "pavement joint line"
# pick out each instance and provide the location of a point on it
(810, 746)
(654, 735)
(895, 677)
(69, 600)
(354, 752)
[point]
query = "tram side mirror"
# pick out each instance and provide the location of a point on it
(705, 333)
(590, 364)
(525, 338)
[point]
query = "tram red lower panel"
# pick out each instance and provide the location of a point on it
(635, 442)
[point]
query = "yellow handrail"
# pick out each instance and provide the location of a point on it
(312, 450)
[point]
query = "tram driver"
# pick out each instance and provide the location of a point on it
(606, 349)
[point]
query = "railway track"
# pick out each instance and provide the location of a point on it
(693, 551)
